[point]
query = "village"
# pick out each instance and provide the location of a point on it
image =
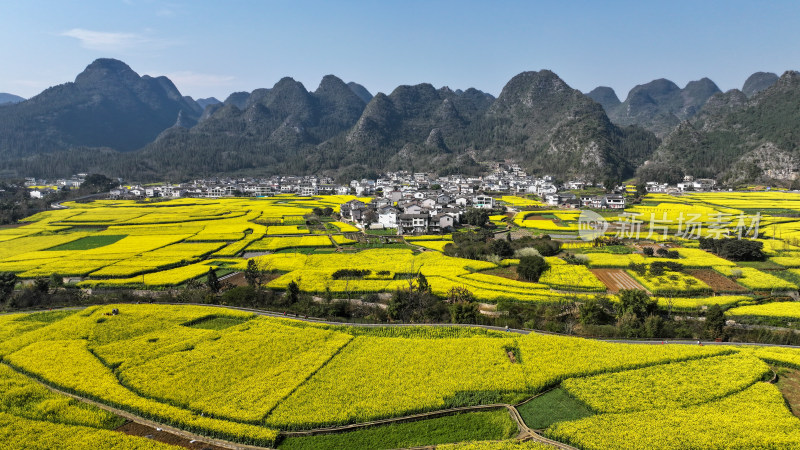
(411, 203)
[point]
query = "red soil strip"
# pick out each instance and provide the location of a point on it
(617, 279)
(137, 429)
(717, 281)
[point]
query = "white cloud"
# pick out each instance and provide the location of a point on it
(101, 40)
(194, 79)
(117, 41)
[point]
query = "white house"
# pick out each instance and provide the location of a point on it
(413, 223)
(412, 209)
(428, 203)
(483, 202)
(551, 199)
(308, 190)
(547, 188)
(388, 217)
(615, 201)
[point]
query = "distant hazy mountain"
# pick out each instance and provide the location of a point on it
(605, 96)
(113, 121)
(757, 82)
(203, 102)
(339, 129)
(266, 129)
(658, 105)
(237, 99)
(10, 98)
(738, 139)
(108, 105)
(360, 91)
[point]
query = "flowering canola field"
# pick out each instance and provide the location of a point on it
(156, 243)
(261, 375)
(164, 244)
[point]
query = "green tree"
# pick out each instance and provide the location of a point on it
(637, 303)
(464, 312)
(56, 281)
(213, 281)
(596, 311)
(742, 250)
(399, 305)
(501, 248)
(459, 294)
(252, 274)
(97, 183)
(530, 268)
(475, 216)
(629, 325)
(715, 322)
(41, 285)
(292, 292)
(652, 326)
(8, 280)
(422, 283)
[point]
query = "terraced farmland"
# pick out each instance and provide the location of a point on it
(259, 379)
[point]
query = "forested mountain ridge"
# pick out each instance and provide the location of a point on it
(6, 98)
(538, 120)
(112, 121)
(660, 105)
(736, 138)
(757, 82)
(108, 105)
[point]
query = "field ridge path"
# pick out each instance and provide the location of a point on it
(138, 419)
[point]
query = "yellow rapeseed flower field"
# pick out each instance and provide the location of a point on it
(757, 417)
(247, 379)
(668, 386)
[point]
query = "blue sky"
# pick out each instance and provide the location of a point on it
(215, 48)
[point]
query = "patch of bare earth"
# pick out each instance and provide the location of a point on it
(789, 385)
(137, 429)
(616, 280)
(505, 272)
(717, 281)
(12, 225)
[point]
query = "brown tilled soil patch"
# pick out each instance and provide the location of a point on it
(137, 429)
(789, 385)
(237, 280)
(12, 225)
(616, 279)
(505, 272)
(717, 281)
